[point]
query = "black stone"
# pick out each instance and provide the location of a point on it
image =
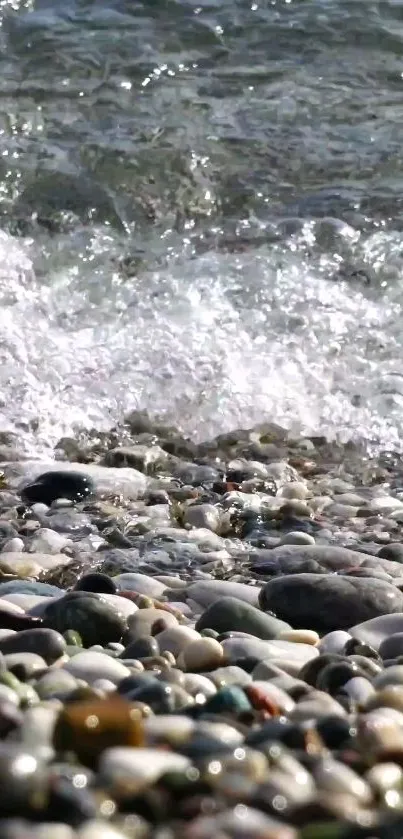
(17, 622)
(50, 486)
(141, 648)
(96, 582)
(336, 732)
(310, 671)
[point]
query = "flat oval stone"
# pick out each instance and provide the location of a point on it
(209, 591)
(139, 766)
(230, 613)
(91, 665)
(45, 642)
(390, 647)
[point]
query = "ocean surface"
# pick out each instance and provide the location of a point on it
(201, 214)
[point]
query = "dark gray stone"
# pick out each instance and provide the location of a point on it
(44, 642)
(231, 615)
(96, 620)
(329, 602)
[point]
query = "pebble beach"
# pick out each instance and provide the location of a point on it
(200, 640)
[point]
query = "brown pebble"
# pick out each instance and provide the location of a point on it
(88, 728)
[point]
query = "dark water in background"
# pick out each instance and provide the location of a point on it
(201, 213)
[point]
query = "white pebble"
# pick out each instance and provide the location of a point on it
(91, 666)
(15, 545)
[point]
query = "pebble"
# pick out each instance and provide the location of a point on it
(202, 654)
(91, 665)
(138, 766)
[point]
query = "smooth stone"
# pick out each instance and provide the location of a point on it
(45, 642)
(329, 602)
(94, 581)
(88, 728)
(375, 631)
(142, 647)
(203, 654)
(280, 701)
(390, 676)
(89, 614)
(228, 700)
(335, 777)
(171, 728)
(36, 732)
(145, 621)
(107, 481)
(207, 592)
(300, 636)
(334, 642)
(230, 675)
(230, 613)
(56, 684)
(177, 638)
(359, 689)
(48, 486)
(139, 767)
(315, 706)
(238, 648)
(390, 647)
(25, 665)
(90, 666)
(197, 683)
(140, 583)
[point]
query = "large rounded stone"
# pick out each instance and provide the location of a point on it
(329, 602)
(50, 486)
(89, 614)
(230, 614)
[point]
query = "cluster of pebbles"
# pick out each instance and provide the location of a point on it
(201, 640)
